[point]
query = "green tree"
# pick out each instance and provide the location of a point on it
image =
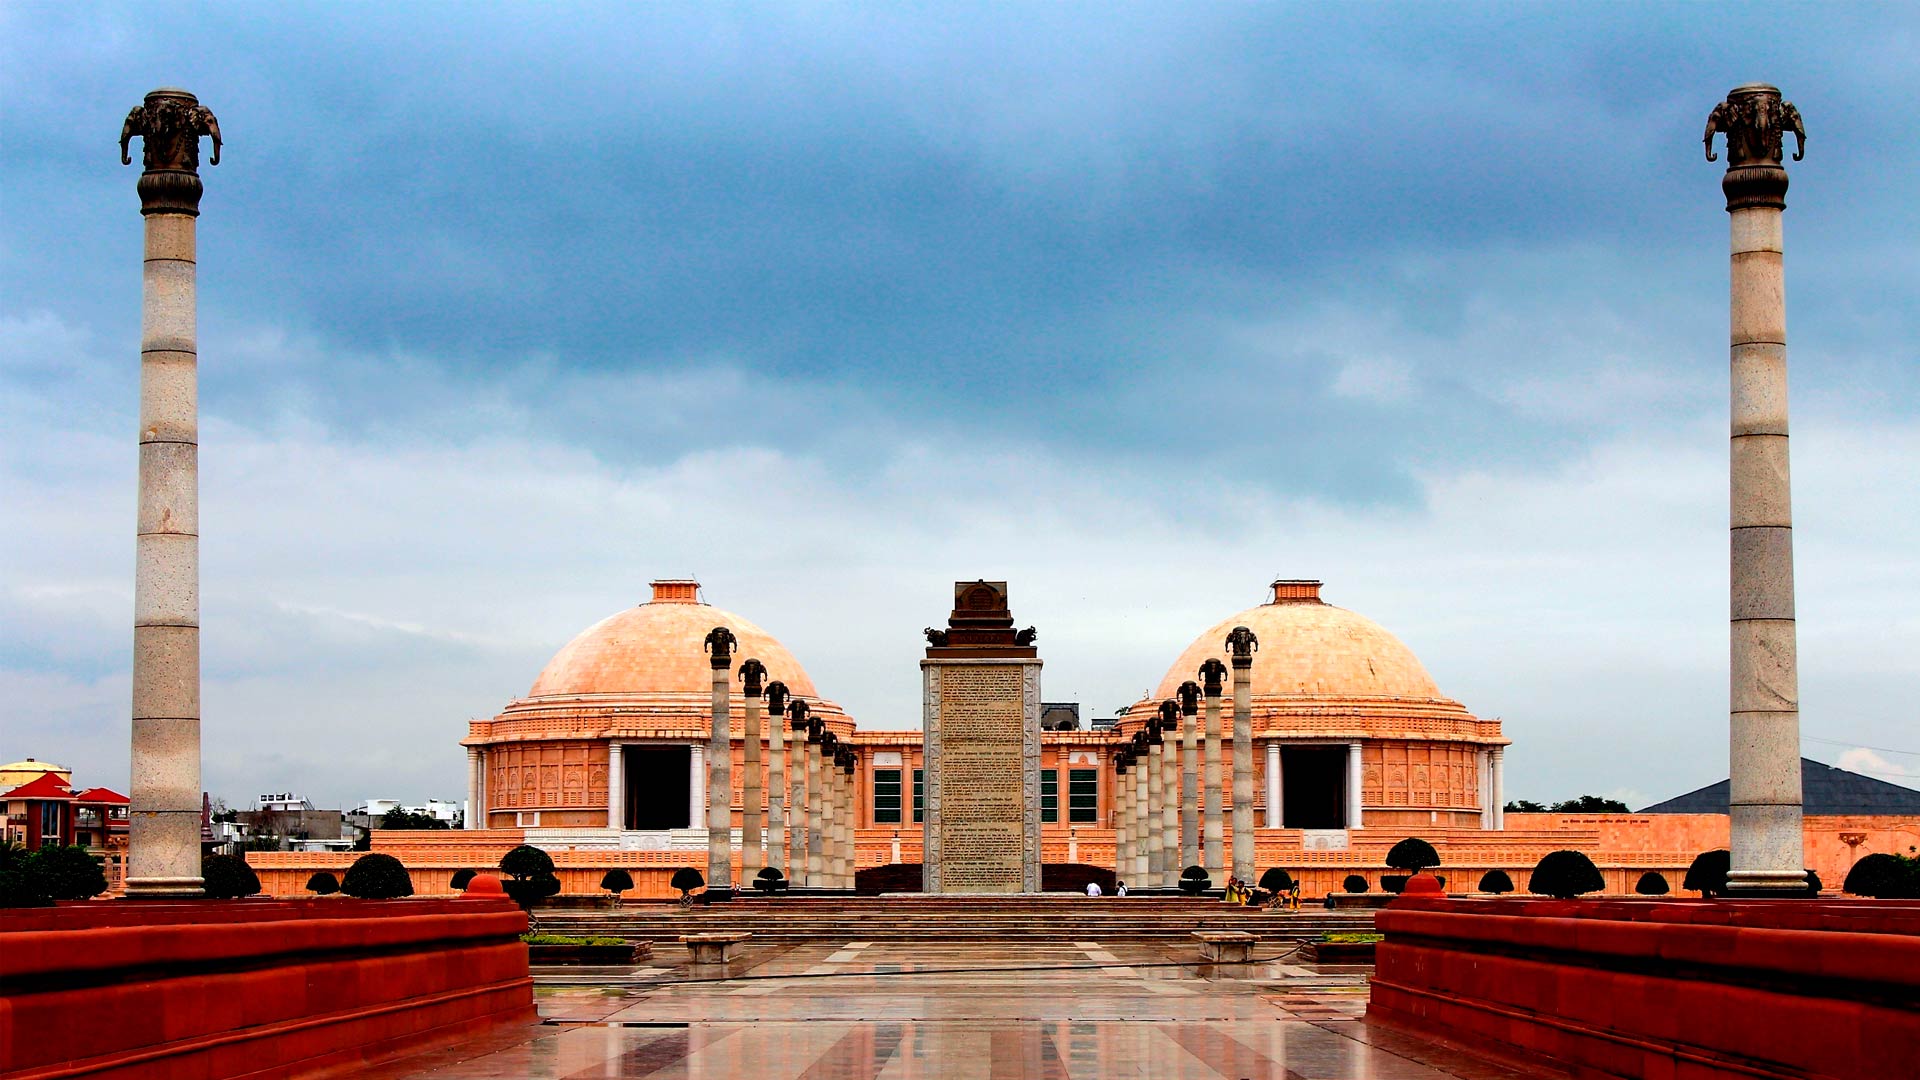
(1884, 876)
(686, 879)
(1413, 854)
(1524, 806)
(398, 818)
(228, 877)
(1564, 875)
(530, 876)
(1651, 884)
(1496, 882)
(460, 880)
(1707, 875)
(1276, 880)
(1354, 883)
(377, 876)
(323, 883)
(1591, 804)
(70, 872)
(616, 881)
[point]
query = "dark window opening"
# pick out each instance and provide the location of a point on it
(1049, 795)
(1083, 796)
(657, 786)
(1313, 782)
(886, 796)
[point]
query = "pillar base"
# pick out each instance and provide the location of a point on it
(1767, 884)
(166, 888)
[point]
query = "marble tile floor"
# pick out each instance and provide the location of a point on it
(895, 1011)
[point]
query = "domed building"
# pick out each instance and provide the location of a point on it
(1349, 730)
(611, 738)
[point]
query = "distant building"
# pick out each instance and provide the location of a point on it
(47, 811)
(1059, 716)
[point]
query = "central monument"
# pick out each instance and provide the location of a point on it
(982, 748)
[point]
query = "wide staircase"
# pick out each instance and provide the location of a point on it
(1046, 917)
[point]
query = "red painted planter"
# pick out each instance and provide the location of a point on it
(256, 988)
(1660, 989)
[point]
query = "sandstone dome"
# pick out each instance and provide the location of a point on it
(1310, 648)
(658, 648)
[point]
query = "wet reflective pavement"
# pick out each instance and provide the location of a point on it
(891, 1011)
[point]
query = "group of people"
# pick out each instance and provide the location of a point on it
(1119, 888)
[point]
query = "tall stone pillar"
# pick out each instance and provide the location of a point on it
(1355, 775)
(1274, 791)
(817, 796)
(798, 796)
(753, 674)
(845, 831)
(163, 858)
(616, 785)
(1241, 642)
(719, 647)
(1123, 815)
(473, 788)
(1143, 798)
(1764, 706)
(1189, 774)
(696, 785)
(1497, 770)
(1212, 674)
(1156, 798)
(477, 815)
(777, 776)
(1169, 814)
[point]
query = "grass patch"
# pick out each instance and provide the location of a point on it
(1351, 938)
(532, 938)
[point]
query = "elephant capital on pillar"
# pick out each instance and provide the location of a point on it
(170, 123)
(1754, 118)
(752, 674)
(719, 646)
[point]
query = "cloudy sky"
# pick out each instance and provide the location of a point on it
(505, 310)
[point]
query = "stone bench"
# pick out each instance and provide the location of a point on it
(1226, 946)
(714, 948)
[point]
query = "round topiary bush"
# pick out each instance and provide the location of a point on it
(1564, 875)
(21, 887)
(1708, 873)
(1884, 877)
(460, 879)
(70, 873)
(1354, 883)
(616, 881)
(1496, 882)
(530, 876)
(1651, 884)
(1393, 883)
(1276, 880)
(686, 879)
(228, 877)
(526, 861)
(377, 877)
(323, 883)
(1194, 880)
(769, 880)
(1413, 854)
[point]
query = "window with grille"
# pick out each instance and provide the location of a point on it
(1083, 796)
(1049, 795)
(886, 796)
(919, 794)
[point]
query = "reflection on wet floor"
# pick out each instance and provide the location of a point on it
(892, 1011)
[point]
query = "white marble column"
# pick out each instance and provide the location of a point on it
(1275, 817)
(163, 858)
(752, 673)
(1483, 766)
(1156, 841)
(473, 787)
(1123, 821)
(720, 763)
(777, 776)
(798, 797)
(480, 808)
(1355, 778)
(1170, 814)
(1242, 756)
(1213, 829)
(1142, 796)
(1764, 698)
(1189, 774)
(697, 785)
(1497, 770)
(616, 785)
(817, 796)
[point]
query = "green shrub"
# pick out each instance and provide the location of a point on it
(686, 879)
(70, 873)
(377, 877)
(21, 888)
(460, 880)
(1884, 877)
(1496, 882)
(1813, 883)
(1194, 880)
(1651, 884)
(1354, 883)
(1564, 875)
(1276, 880)
(769, 880)
(534, 937)
(616, 881)
(228, 877)
(1708, 873)
(323, 884)
(530, 876)
(1393, 883)
(526, 861)
(1413, 854)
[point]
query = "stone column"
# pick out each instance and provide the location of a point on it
(798, 797)
(1213, 829)
(616, 786)
(1483, 764)
(1156, 841)
(845, 831)
(1122, 817)
(1354, 777)
(752, 675)
(1189, 774)
(777, 776)
(480, 808)
(1274, 792)
(1142, 798)
(1764, 698)
(1496, 769)
(696, 785)
(1241, 643)
(163, 858)
(473, 787)
(1170, 810)
(719, 646)
(817, 797)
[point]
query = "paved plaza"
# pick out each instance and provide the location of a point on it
(898, 1010)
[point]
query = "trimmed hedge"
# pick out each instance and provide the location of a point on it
(616, 881)
(323, 883)
(1651, 884)
(1565, 875)
(1194, 880)
(228, 877)
(1496, 882)
(1884, 877)
(1413, 854)
(1354, 883)
(1708, 873)
(460, 880)
(686, 879)
(377, 876)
